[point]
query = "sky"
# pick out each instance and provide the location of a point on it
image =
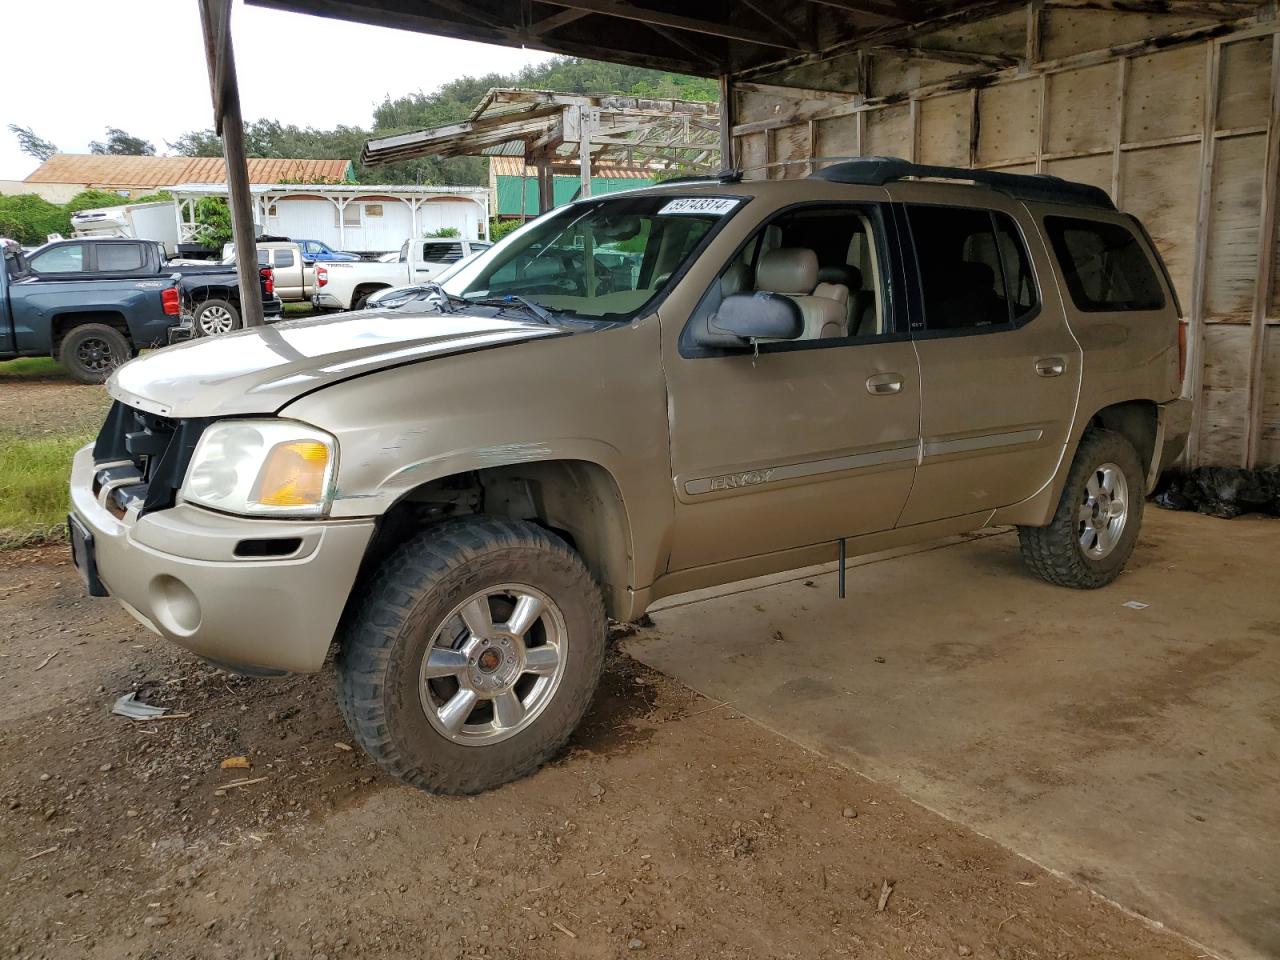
(145, 70)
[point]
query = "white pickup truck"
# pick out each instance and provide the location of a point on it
(346, 286)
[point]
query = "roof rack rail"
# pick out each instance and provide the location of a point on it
(724, 176)
(877, 171)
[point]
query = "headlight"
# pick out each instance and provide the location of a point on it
(263, 467)
(399, 300)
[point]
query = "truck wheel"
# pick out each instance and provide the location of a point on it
(92, 350)
(216, 317)
(473, 655)
(1095, 527)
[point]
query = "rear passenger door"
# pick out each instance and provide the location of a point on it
(1000, 369)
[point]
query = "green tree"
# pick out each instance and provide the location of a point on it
(32, 145)
(94, 200)
(121, 143)
(30, 219)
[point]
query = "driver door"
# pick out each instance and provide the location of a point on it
(810, 440)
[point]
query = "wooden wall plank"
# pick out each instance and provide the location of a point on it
(751, 154)
(888, 132)
(1082, 105)
(1246, 77)
(837, 137)
(1095, 170)
(1008, 124)
(1269, 434)
(1225, 396)
(1067, 32)
(944, 130)
(1165, 95)
(1160, 186)
(1231, 266)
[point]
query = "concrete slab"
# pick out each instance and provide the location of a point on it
(1136, 750)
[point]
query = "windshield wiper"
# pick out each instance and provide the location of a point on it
(506, 300)
(447, 299)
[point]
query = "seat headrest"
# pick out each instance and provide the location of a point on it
(788, 270)
(843, 274)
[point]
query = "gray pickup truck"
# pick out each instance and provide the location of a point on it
(89, 324)
(636, 395)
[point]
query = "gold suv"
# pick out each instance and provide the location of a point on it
(634, 396)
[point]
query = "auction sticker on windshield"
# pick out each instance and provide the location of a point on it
(717, 206)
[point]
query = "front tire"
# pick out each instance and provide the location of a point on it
(213, 318)
(91, 351)
(1094, 530)
(473, 656)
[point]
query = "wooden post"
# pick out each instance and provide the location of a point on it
(1262, 294)
(584, 152)
(546, 186)
(215, 18)
(726, 123)
(1194, 386)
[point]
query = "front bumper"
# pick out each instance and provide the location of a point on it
(177, 571)
(1173, 425)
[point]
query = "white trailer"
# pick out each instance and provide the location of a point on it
(134, 221)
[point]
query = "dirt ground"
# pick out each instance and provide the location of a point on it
(672, 827)
(50, 405)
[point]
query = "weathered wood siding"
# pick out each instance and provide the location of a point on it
(1175, 116)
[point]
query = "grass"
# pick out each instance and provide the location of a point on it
(31, 367)
(33, 488)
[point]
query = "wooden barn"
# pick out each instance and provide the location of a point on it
(1169, 105)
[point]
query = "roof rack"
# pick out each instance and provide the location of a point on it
(877, 171)
(724, 176)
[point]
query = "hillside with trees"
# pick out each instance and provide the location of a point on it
(451, 103)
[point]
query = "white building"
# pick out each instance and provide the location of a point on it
(362, 218)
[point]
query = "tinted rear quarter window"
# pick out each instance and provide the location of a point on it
(1105, 267)
(284, 258)
(119, 257)
(442, 252)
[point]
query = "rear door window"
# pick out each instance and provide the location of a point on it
(442, 252)
(1105, 267)
(975, 274)
(284, 258)
(120, 257)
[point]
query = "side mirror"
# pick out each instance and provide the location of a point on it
(744, 317)
(308, 263)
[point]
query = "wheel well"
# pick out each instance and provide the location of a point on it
(366, 288)
(1136, 421)
(576, 499)
(63, 323)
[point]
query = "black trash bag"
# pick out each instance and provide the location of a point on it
(1226, 492)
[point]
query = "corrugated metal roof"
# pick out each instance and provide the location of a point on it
(100, 170)
(600, 170)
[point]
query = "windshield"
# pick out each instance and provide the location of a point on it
(599, 260)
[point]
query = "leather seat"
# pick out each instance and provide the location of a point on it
(862, 303)
(793, 272)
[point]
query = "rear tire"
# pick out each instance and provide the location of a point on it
(91, 351)
(213, 318)
(473, 656)
(1094, 530)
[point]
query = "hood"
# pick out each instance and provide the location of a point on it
(261, 370)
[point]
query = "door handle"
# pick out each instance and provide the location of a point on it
(883, 384)
(1050, 366)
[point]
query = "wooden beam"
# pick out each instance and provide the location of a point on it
(627, 11)
(901, 12)
(991, 61)
(1204, 215)
(727, 110)
(556, 21)
(1266, 260)
(1213, 9)
(777, 23)
(215, 21)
